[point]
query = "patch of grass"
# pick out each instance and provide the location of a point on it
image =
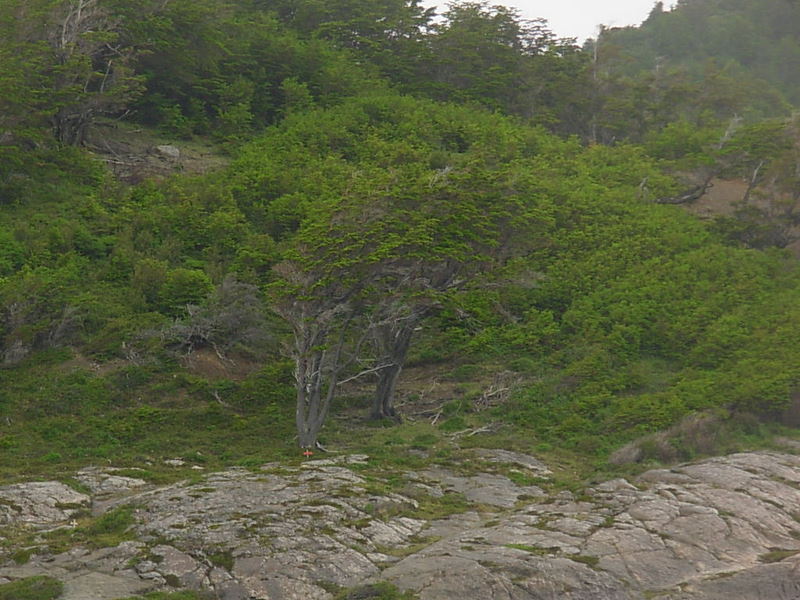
(590, 561)
(108, 530)
(76, 485)
(375, 591)
(114, 522)
(22, 557)
(651, 594)
(465, 373)
(424, 441)
(777, 555)
(537, 550)
(608, 521)
(453, 424)
(183, 595)
(524, 479)
(91, 418)
(430, 507)
(387, 446)
(136, 473)
(331, 588)
(40, 587)
(222, 559)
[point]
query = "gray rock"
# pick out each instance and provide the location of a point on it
(168, 152)
(179, 567)
(488, 489)
(44, 503)
(514, 458)
(84, 584)
(502, 573)
(773, 582)
(101, 586)
(104, 482)
(706, 530)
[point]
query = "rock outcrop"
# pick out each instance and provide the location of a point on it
(40, 504)
(721, 528)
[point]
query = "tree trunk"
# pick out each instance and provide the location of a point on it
(312, 407)
(383, 403)
(71, 128)
(317, 373)
(393, 341)
(314, 392)
(752, 183)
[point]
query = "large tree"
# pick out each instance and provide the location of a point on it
(373, 263)
(321, 316)
(399, 203)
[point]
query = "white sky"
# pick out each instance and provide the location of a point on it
(578, 18)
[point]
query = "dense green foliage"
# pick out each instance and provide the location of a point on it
(494, 187)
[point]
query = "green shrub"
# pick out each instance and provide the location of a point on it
(182, 595)
(182, 287)
(11, 254)
(452, 424)
(375, 591)
(465, 372)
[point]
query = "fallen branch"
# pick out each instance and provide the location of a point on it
(215, 393)
(688, 196)
(498, 392)
(490, 428)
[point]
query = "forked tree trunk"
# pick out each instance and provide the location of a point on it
(319, 364)
(393, 341)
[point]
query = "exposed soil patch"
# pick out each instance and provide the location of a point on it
(720, 200)
(135, 154)
(207, 363)
(725, 196)
(424, 391)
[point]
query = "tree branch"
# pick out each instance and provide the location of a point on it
(366, 372)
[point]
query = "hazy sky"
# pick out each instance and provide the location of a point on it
(579, 18)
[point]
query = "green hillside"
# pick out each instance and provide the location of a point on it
(232, 231)
(713, 55)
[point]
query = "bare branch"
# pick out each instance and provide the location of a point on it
(365, 372)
